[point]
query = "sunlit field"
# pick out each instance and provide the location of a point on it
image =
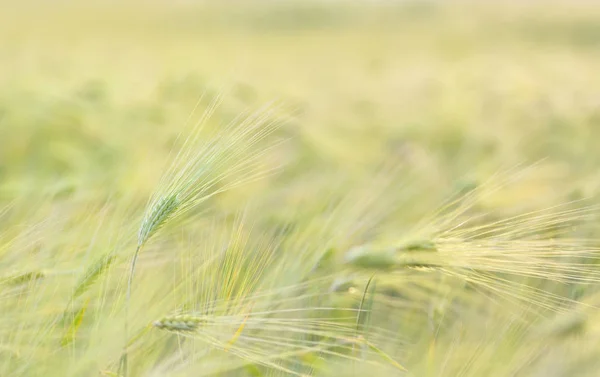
(300, 189)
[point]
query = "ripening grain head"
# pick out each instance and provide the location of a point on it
(157, 216)
(208, 164)
(179, 323)
(515, 257)
(203, 167)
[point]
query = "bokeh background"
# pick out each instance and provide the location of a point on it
(91, 91)
(386, 108)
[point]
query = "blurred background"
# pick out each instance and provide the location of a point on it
(92, 92)
(385, 109)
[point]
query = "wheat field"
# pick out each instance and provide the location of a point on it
(300, 189)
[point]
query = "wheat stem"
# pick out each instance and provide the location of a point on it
(124, 361)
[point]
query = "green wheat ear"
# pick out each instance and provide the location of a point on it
(180, 323)
(156, 217)
(92, 274)
(415, 255)
(22, 278)
(364, 257)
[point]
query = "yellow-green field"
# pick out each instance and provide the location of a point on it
(308, 189)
